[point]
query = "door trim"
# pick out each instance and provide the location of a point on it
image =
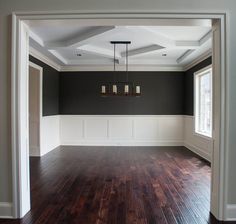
(220, 169)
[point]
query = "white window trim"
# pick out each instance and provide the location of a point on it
(198, 133)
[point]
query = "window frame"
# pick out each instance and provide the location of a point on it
(196, 101)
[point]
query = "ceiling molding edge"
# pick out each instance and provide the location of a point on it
(198, 60)
(80, 68)
(35, 53)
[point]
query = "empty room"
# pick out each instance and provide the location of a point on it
(117, 119)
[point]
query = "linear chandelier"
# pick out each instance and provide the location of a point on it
(124, 88)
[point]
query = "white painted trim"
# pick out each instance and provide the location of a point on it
(219, 200)
(198, 151)
(58, 56)
(44, 58)
(151, 116)
(71, 68)
(74, 68)
(123, 143)
(14, 117)
(6, 210)
(122, 130)
(203, 70)
(120, 67)
(36, 38)
(50, 136)
(198, 60)
(231, 212)
(196, 100)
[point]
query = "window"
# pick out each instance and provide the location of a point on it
(203, 102)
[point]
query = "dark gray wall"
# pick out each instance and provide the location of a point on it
(166, 93)
(50, 88)
(189, 85)
(162, 93)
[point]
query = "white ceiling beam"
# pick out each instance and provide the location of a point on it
(142, 50)
(58, 56)
(166, 42)
(36, 38)
(109, 62)
(156, 38)
(80, 39)
(205, 38)
(187, 44)
(139, 67)
(35, 53)
(178, 22)
(201, 42)
(99, 51)
(184, 56)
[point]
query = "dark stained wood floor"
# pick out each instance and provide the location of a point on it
(119, 185)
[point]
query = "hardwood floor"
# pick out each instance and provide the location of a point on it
(119, 185)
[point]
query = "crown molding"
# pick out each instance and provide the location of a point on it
(35, 53)
(198, 60)
(72, 68)
(69, 68)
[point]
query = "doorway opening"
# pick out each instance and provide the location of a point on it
(35, 108)
(218, 197)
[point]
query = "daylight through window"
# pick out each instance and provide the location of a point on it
(203, 102)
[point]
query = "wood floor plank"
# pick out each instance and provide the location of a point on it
(119, 185)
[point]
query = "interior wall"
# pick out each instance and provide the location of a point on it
(199, 144)
(195, 142)
(187, 6)
(50, 134)
(34, 111)
(162, 94)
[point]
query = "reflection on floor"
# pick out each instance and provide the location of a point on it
(99, 185)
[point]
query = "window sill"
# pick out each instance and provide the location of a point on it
(201, 135)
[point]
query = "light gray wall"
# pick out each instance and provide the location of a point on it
(6, 7)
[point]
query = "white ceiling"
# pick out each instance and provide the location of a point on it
(167, 43)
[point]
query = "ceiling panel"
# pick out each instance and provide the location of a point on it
(69, 43)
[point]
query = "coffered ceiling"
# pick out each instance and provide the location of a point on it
(172, 43)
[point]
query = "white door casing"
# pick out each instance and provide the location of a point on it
(21, 201)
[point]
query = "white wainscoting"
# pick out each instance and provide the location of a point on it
(122, 130)
(6, 210)
(50, 133)
(196, 143)
(231, 212)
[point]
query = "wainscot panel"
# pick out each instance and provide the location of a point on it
(124, 130)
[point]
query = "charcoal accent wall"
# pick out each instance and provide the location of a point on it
(50, 88)
(162, 94)
(189, 86)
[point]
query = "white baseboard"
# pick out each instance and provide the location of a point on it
(231, 212)
(199, 151)
(6, 210)
(123, 143)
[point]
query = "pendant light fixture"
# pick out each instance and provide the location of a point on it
(125, 88)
